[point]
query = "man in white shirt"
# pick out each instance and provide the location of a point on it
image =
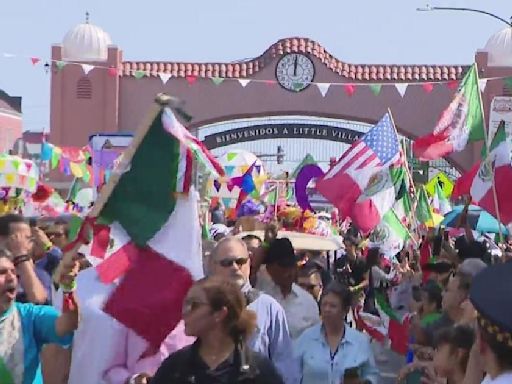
(490, 295)
(300, 307)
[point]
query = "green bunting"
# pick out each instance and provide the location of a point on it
(375, 88)
(139, 74)
(217, 80)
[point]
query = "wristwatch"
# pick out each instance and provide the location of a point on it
(133, 378)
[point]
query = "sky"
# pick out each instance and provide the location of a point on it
(361, 32)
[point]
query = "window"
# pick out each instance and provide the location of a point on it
(84, 88)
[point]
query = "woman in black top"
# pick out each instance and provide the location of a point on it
(215, 312)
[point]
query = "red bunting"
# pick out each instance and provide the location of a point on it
(35, 60)
(269, 82)
(112, 71)
(428, 87)
(350, 89)
(191, 79)
(454, 84)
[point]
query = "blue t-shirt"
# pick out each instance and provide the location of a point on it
(38, 325)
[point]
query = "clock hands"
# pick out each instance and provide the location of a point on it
(295, 66)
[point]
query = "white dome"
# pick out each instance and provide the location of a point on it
(86, 42)
(499, 48)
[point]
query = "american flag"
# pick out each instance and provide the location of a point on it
(376, 150)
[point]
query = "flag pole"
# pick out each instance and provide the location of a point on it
(487, 143)
(161, 100)
(409, 176)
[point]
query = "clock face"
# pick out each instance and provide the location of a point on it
(295, 72)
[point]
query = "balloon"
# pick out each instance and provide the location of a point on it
(305, 175)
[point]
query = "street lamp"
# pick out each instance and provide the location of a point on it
(428, 8)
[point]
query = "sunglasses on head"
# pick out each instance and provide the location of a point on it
(226, 263)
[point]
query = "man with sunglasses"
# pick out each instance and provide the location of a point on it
(230, 260)
(310, 279)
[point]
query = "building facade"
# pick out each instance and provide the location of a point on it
(11, 125)
(294, 95)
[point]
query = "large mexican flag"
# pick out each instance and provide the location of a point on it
(461, 122)
(147, 230)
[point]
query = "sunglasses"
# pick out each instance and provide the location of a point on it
(226, 263)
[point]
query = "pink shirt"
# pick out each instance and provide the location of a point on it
(127, 355)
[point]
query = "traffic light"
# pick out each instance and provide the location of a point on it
(280, 154)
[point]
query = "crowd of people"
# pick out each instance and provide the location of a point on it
(264, 313)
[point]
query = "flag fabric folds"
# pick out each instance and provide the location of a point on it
(495, 168)
(440, 204)
(461, 122)
(390, 235)
(139, 231)
(358, 172)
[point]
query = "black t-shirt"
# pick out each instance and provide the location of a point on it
(186, 366)
(354, 274)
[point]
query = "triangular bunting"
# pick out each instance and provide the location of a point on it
(258, 169)
(35, 60)
(323, 88)
(139, 74)
(87, 68)
(231, 156)
(244, 82)
(229, 169)
(217, 185)
(453, 84)
(350, 89)
(217, 80)
(401, 88)
(375, 88)
(112, 71)
(226, 201)
(191, 79)
(269, 82)
(428, 87)
(164, 77)
(60, 64)
(482, 83)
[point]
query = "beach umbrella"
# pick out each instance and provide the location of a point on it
(478, 220)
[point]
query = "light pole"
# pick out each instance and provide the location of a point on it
(428, 8)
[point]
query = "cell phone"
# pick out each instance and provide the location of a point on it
(414, 377)
(351, 373)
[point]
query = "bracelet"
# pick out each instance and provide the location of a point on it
(20, 259)
(67, 288)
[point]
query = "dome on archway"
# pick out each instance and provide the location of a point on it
(86, 42)
(499, 48)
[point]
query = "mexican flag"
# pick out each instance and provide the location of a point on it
(496, 167)
(403, 202)
(388, 325)
(147, 231)
(390, 235)
(377, 198)
(461, 122)
(423, 210)
(440, 203)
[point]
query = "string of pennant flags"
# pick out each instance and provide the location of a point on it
(349, 88)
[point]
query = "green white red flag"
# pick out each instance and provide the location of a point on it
(497, 168)
(461, 122)
(140, 229)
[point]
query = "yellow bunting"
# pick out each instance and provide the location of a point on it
(76, 170)
(2, 164)
(9, 179)
(244, 168)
